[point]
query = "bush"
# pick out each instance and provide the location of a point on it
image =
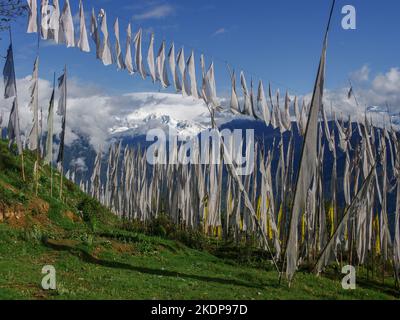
(161, 227)
(192, 238)
(164, 227)
(91, 211)
(87, 239)
(33, 235)
(8, 197)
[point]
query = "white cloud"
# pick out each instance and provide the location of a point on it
(380, 91)
(79, 164)
(361, 75)
(219, 31)
(156, 12)
(100, 116)
(388, 83)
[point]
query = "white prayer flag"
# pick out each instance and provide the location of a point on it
(161, 67)
(174, 70)
(32, 20)
(262, 104)
(190, 77)
(106, 55)
(67, 26)
(138, 54)
(150, 59)
(10, 86)
(307, 170)
(83, 42)
(54, 24)
(94, 33)
(128, 53)
(182, 67)
(33, 140)
(118, 51)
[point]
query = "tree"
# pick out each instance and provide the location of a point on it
(11, 10)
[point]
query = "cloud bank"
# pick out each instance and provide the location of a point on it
(100, 116)
(381, 92)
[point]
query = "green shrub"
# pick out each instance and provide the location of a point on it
(191, 238)
(161, 227)
(33, 235)
(9, 197)
(88, 208)
(87, 239)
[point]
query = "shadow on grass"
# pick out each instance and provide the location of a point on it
(371, 284)
(133, 239)
(86, 257)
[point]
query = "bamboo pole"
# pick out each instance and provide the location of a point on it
(61, 180)
(23, 166)
(51, 180)
(22, 153)
(51, 158)
(64, 125)
(383, 272)
(37, 114)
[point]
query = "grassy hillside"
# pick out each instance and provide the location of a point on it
(96, 256)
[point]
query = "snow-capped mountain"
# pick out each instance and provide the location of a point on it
(139, 123)
(183, 116)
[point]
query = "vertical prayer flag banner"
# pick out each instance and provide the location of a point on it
(67, 26)
(62, 111)
(307, 168)
(32, 19)
(33, 139)
(106, 55)
(10, 85)
(10, 91)
(50, 131)
(83, 42)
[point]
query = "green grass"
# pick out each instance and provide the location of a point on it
(99, 257)
(91, 266)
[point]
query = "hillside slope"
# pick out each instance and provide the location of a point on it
(96, 256)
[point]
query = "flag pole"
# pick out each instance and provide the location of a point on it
(22, 153)
(63, 132)
(37, 167)
(37, 132)
(51, 162)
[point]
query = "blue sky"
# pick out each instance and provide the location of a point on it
(277, 41)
